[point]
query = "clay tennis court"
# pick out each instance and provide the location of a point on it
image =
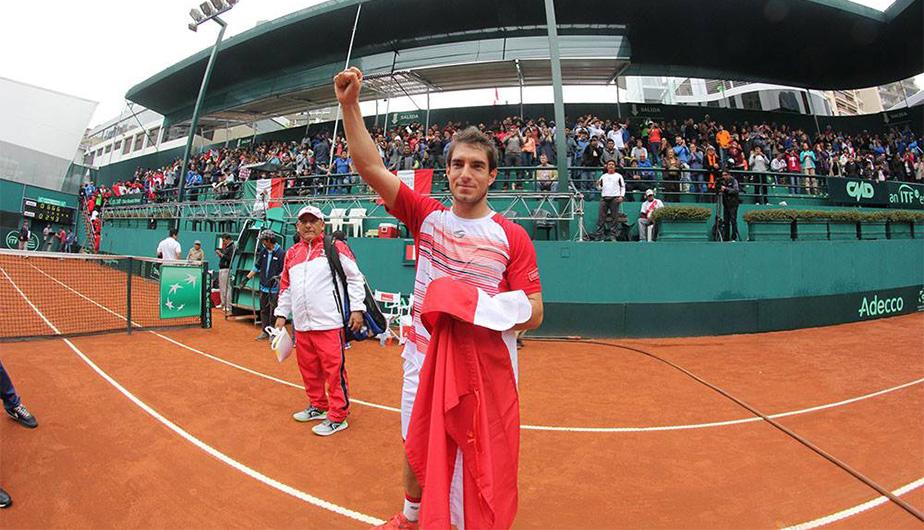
(192, 428)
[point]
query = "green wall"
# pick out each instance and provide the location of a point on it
(660, 289)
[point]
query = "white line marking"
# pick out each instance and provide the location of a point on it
(657, 428)
(264, 376)
(26, 298)
(289, 490)
(66, 286)
(849, 512)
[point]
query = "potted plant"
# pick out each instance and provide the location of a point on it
(811, 225)
(901, 223)
(682, 223)
(770, 225)
(873, 225)
(842, 225)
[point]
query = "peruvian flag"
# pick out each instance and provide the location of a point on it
(269, 194)
(419, 180)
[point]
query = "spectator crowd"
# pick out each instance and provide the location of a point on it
(680, 156)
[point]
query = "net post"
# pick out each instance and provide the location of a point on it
(128, 295)
(205, 319)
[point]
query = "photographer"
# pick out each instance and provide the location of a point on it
(729, 191)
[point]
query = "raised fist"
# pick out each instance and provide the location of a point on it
(347, 85)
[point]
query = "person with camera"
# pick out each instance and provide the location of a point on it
(309, 293)
(730, 193)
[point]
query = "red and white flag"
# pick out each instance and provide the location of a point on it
(269, 194)
(419, 180)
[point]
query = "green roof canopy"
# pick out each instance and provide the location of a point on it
(287, 64)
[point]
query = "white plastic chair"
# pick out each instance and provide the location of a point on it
(391, 309)
(355, 220)
(335, 217)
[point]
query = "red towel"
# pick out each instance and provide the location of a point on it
(467, 399)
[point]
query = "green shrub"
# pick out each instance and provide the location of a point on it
(844, 216)
(904, 216)
(767, 216)
(682, 213)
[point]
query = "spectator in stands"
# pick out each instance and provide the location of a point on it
(759, 163)
(723, 139)
(794, 168)
(730, 193)
(513, 149)
(671, 177)
(590, 160)
(638, 151)
(808, 162)
(546, 175)
(611, 153)
(169, 248)
(778, 165)
(612, 192)
(697, 176)
(341, 181)
(196, 254)
(268, 264)
(654, 143)
(646, 226)
(528, 153)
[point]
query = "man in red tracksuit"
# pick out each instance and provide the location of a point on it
(307, 293)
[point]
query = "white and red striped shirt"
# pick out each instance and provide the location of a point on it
(491, 253)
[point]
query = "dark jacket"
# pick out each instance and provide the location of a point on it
(730, 197)
(269, 276)
(225, 261)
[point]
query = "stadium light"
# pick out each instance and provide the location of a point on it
(210, 10)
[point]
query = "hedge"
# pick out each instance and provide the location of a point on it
(838, 216)
(682, 213)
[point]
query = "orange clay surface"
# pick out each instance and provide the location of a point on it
(98, 460)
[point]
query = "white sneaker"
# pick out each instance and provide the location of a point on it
(310, 414)
(327, 427)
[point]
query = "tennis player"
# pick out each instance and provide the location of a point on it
(467, 242)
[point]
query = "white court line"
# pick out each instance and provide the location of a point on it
(26, 298)
(298, 494)
(657, 428)
(849, 512)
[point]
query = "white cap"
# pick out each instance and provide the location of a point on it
(313, 210)
(648, 192)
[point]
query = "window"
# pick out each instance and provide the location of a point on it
(127, 147)
(139, 142)
(118, 145)
(108, 148)
(153, 136)
(751, 101)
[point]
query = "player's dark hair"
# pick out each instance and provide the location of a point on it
(475, 138)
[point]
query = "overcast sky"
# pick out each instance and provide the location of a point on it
(98, 49)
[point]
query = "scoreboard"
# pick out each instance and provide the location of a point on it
(47, 210)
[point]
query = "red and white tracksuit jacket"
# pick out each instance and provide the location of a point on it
(306, 289)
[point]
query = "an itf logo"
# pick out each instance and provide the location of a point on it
(12, 241)
(860, 190)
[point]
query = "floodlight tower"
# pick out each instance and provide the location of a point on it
(206, 11)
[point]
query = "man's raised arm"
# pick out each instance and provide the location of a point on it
(363, 151)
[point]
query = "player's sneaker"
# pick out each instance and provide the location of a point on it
(327, 427)
(5, 499)
(398, 522)
(21, 414)
(310, 414)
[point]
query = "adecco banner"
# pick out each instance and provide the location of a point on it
(889, 302)
(870, 193)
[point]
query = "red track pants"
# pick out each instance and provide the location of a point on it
(321, 360)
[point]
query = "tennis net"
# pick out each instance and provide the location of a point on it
(50, 294)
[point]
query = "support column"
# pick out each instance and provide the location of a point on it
(561, 146)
